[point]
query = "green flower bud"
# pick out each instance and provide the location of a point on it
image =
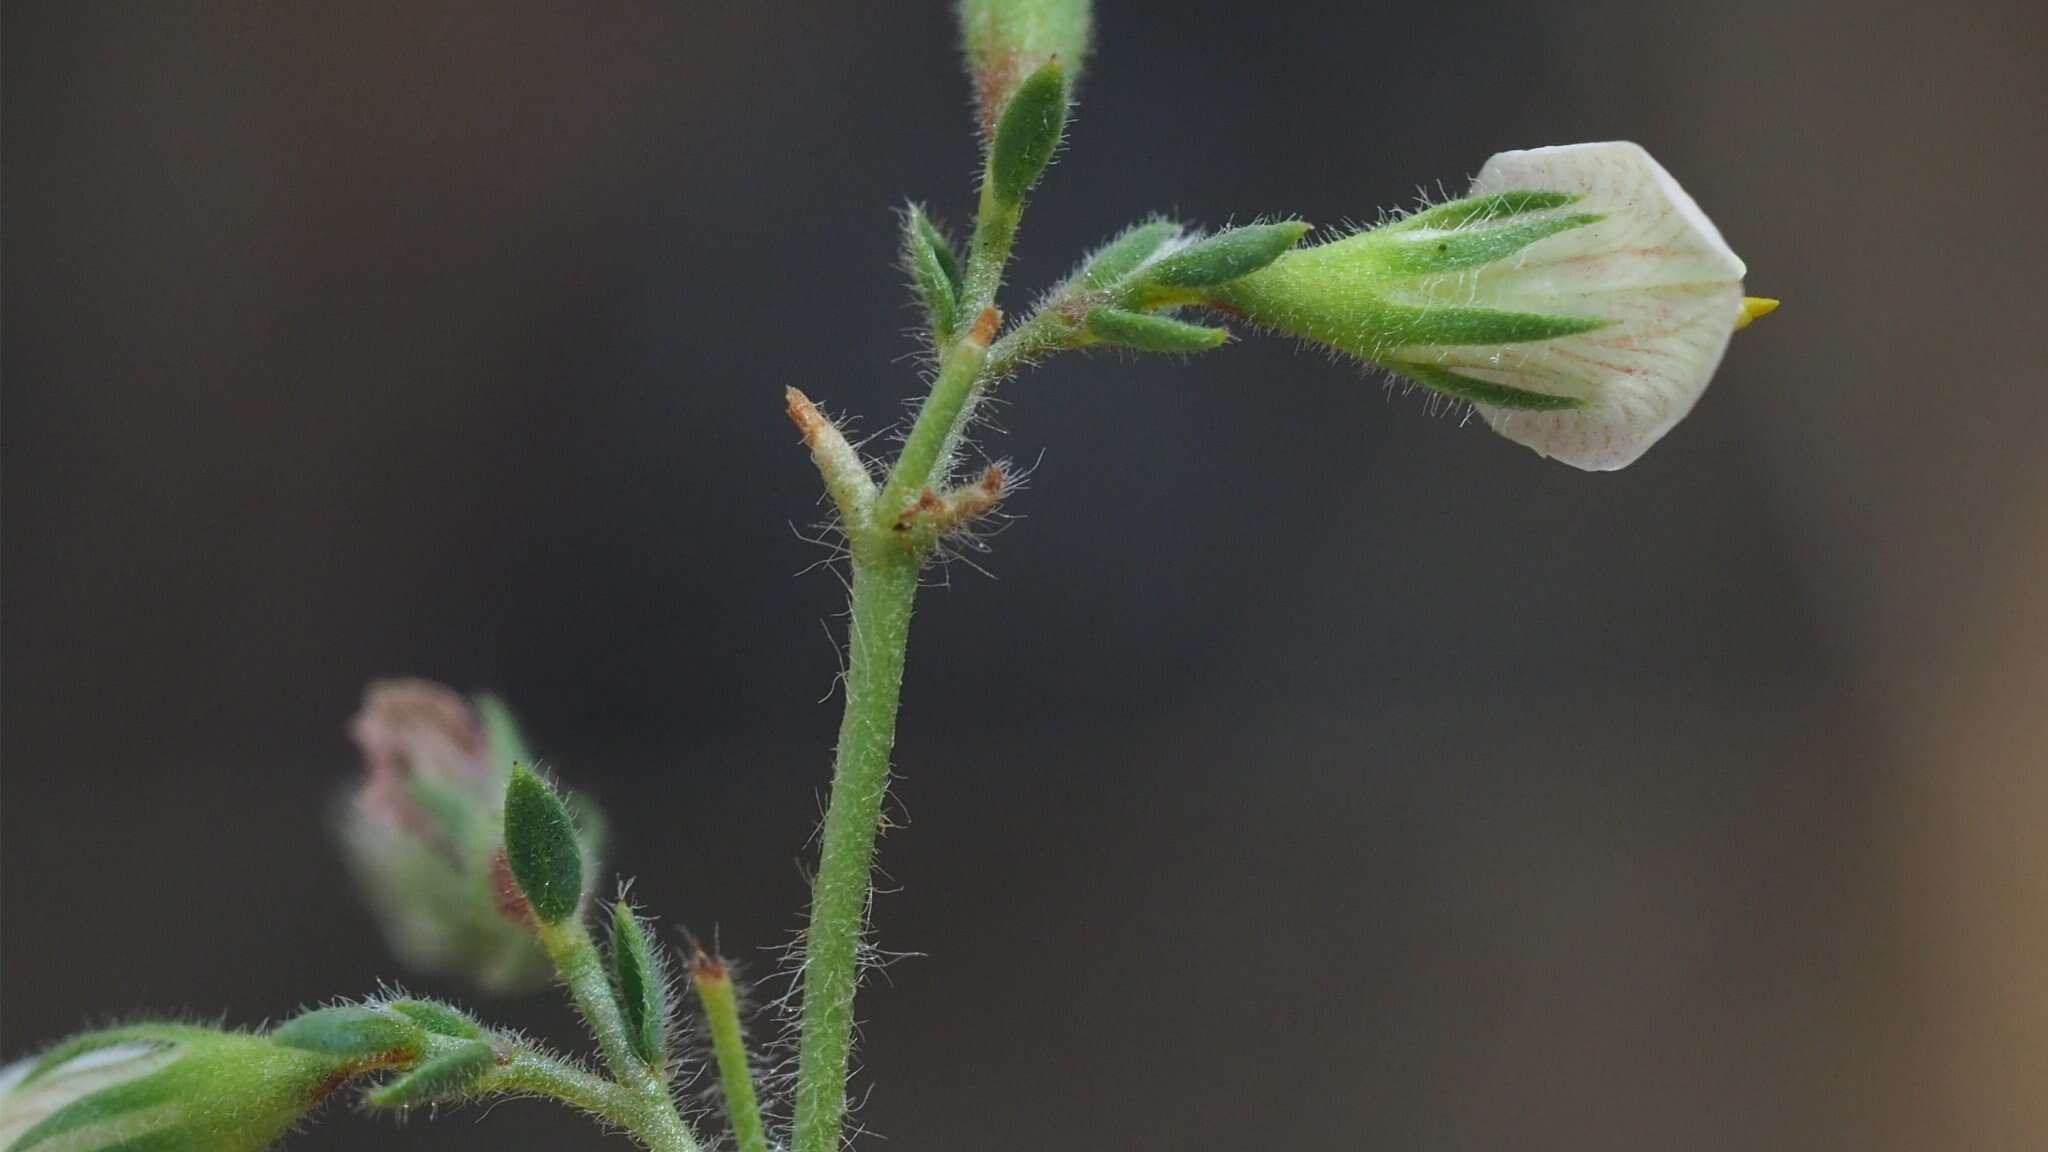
(162, 1087)
(425, 835)
(1008, 40)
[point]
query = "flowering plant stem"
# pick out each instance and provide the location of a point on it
(1607, 301)
(885, 573)
(529, 1073)
(644, 1106)
(884, 583)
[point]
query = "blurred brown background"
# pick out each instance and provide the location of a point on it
(1313, 773)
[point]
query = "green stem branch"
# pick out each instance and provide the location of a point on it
(528, 1073)
(945, 411)
(1048, 330)
(655, 1121)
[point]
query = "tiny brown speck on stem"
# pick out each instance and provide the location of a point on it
(985, 325)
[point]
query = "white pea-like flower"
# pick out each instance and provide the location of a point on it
(1577, 297)
(1653, 266)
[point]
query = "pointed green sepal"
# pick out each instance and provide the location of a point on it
(643, 987)
(1226, 256)
(1401, 325)
(1028, 134)
(1470, 388)
(350, 1031)
(1112, 262)
(1481, 210)
(450, 1074)
(541, 847)
(438, 1018)
(1425, 251)
(1149, 333)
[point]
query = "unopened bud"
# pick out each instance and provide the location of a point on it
(1007, 40)
(425, 833)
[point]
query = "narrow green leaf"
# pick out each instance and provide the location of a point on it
(351, 1031)
(642, 987)
(446, 1075)
(1028, 134)
(1122, 256)
(438, 1018)
(1459, 213)
(541, 847)
(1463, 387)
(934, 270)
(1225, 256)
(1149, 333)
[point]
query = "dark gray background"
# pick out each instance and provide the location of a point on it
(1313, 773)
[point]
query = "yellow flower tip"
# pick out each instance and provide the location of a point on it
(1753, 307)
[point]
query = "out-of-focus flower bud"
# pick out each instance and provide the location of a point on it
(425, 833)
(1577, 297)
(1008, 40)
(168, 1087)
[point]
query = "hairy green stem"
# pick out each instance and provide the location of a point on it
(925, 451)
(1047, 330)
(885, 571)
(884, 584)
(528, 1073)
(655, 1120)
(995, 230)
(729, 1046)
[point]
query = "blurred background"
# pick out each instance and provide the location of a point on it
(1305, 771)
